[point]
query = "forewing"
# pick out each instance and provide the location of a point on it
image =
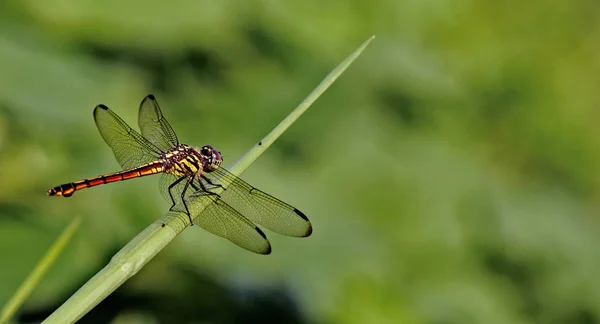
(154, 126)
(221, 219)
(260, 207)
(129, 147)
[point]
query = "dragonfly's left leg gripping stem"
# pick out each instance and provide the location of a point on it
(187, 184)
(207, 179)
(171, 194)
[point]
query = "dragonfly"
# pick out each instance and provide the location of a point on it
(234, 207)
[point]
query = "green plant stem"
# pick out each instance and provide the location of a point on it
(39, 271)
(155, 237)
(241, 164)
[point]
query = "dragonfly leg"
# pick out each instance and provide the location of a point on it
(211, 183)
(205, 190)
(187, 184)
(202, 190)
(170, 194)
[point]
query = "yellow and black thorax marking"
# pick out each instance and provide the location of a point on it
(182, 161)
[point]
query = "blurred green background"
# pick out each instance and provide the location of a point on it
(451, 174)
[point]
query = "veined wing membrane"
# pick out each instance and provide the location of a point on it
(221, 219)
(154, 126)
(260, 207)
(129, 147)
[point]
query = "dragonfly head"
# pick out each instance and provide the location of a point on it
(211, 157)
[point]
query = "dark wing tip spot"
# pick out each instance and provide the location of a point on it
(301, 214)
(261, 232)
(151, 97)
(309, 229)
(268, 249)
(97, 109)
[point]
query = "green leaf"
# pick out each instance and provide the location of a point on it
(39, 271)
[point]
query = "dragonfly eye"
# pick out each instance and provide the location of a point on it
(206, 151)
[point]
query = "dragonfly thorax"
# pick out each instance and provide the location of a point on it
(184, 160)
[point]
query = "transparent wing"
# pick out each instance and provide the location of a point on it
(260, 207)
(218, 218)
(221, 219)
(129, 147)
(154, 126)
